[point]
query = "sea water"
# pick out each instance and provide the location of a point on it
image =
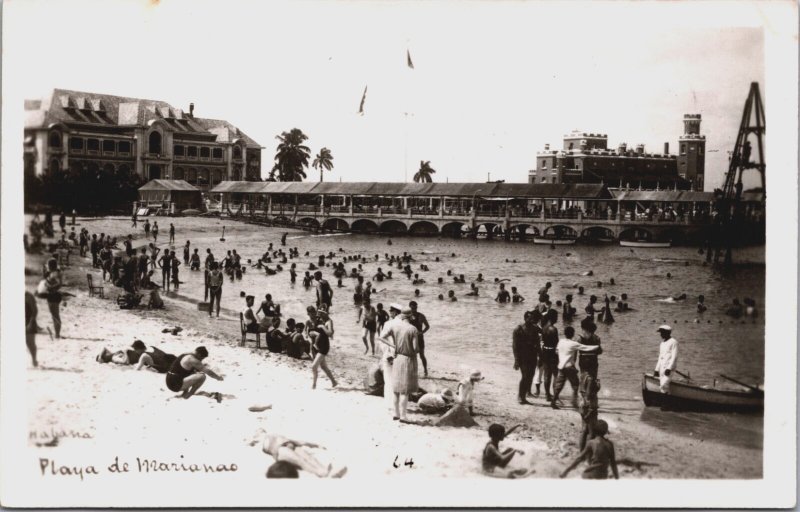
(476, 331)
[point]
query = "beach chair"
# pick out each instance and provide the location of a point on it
(94, 290)
(245, 332)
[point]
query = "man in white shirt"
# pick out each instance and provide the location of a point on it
(567, 351)
(667, 357)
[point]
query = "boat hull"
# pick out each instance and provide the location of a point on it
(554, 241)
(688, 397)
(644, 245)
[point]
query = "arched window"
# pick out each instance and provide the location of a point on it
(217, 176)
(178, 173)
(237, 152)
(55, 165)
(154, 143)
(55, 140)
(191, 175)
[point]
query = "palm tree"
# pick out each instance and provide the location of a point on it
(424, 173)
(323, 161)
(291, 157)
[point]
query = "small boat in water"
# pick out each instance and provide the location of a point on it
(644, 244)
(553, 241)
(688, 396)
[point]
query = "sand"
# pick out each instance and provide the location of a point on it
(115, 410)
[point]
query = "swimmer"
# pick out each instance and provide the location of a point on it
(473, 292)
(440, 280)
(441, 297)
(588, 273)
(515, 296)
(701, 304)
(580, 290)
(612, 282)
(479, 278)
(416, 292)
(451, 295)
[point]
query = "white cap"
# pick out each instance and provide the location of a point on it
(396, 306)
(664, 327)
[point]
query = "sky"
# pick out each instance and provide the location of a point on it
(492, 82)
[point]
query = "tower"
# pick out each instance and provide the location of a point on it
(692, 152)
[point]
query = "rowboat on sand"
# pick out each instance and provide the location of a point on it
(689, 396)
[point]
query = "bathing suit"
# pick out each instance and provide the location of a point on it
(177, 373)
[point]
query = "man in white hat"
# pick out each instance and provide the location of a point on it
(667, 357)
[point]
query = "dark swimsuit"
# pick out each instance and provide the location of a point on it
(177, 373)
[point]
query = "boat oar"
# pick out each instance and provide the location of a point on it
(748, 386)
(684, 375)
(223, 234)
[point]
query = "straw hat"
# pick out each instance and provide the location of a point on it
(476, 375)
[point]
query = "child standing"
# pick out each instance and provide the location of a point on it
(466, 389)
(588, 389)
(598, 453)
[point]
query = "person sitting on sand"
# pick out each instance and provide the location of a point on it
(187, 373)
(297, 453)
(299, 346)
(436, 403)
(276, 339)
(494, 461)
(598, 453)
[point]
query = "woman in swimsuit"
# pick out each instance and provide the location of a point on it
(368, 318)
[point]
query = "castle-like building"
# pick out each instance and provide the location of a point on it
(77, 131)
(586, 158)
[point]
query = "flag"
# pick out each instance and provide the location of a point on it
(361, 106)
(408, 59)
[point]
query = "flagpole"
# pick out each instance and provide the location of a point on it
(405, 150)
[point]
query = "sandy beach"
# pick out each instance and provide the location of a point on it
(118, 410)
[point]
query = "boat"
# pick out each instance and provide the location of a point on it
(689, 396)
(553, 241)
(644, 244)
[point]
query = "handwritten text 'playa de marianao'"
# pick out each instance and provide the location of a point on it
(50, 467)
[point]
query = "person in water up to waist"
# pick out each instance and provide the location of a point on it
(667, 357)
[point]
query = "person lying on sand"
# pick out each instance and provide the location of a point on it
(187, 372)
(156, 359)
(494, 461)
(297, 453)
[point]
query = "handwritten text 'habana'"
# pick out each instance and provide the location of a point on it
(50, 467)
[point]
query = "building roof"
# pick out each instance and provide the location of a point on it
(667, 196)
(486, 190)
(107, 110)
(179, 185)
